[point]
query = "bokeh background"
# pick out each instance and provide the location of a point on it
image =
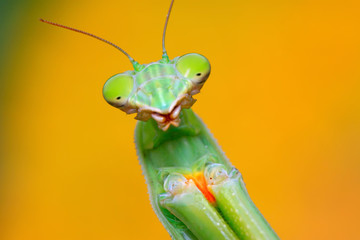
(283, 100)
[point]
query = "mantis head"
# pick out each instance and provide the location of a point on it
(160, 89)
(157, 90)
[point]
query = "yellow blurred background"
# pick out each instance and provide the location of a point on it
(283, 101)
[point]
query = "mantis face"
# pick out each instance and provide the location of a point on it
(159, 90)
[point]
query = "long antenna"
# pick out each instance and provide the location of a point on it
(165, 56)
(135, 64)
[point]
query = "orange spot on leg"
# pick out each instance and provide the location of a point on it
(199, 180)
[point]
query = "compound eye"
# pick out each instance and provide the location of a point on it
(117, 89)
(194, 67)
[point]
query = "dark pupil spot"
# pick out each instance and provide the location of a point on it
(198, 74)
(118, 98)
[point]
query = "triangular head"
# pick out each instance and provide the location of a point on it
(159, 89)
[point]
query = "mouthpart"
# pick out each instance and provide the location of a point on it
(166, 120)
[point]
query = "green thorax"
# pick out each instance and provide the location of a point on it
(159, 87)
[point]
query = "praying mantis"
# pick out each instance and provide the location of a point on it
(194, 190)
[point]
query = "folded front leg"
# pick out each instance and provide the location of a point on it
(235, 204)
(187, 203)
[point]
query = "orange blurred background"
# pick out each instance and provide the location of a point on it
(283, 101)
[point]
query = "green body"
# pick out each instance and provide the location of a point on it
(195, 191)
(184, 150)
